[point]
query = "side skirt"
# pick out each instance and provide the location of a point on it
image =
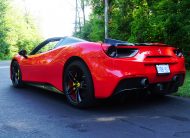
(44, 86)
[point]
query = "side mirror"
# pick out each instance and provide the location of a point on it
(23, 53)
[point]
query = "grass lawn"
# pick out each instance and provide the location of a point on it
(185, 89)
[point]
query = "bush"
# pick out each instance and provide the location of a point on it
(187, 59)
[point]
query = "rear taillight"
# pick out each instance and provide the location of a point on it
(178, 52)
(112, 51)
(119, 52)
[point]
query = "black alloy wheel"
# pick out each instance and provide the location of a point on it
(16, 76)
(78, 85)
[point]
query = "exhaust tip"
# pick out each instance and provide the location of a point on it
(176, 79)
(159, 87)
(144, 83)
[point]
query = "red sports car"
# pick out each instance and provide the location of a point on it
(85, 71)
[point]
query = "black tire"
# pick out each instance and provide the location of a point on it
(78, 85)
(16, 75)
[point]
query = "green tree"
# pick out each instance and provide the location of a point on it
(166, 21)
(17, 30)
(3, 29)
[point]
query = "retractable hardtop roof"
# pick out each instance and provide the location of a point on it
(115, 42)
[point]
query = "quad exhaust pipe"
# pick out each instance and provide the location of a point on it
(144, 83)
(160, 86)
(176, 79)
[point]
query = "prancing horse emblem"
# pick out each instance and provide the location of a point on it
(159, 51)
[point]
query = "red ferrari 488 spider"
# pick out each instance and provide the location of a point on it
(85, 71)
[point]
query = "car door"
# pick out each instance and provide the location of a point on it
(37, 66)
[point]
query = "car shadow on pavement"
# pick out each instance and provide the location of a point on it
(31, 101)
(131, 101)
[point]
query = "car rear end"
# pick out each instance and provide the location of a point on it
(151, 66)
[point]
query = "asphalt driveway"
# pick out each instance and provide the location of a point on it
(33, 112)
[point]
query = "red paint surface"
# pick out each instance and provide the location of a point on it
(106, 72)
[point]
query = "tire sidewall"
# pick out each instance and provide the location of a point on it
(88, 100)
(20, 82)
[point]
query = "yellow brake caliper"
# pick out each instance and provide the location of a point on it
(77, 84)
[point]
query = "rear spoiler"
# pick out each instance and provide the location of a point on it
(114, 42)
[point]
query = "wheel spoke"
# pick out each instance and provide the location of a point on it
(71, 77)
(83, 85)
(16, 80)
(18, 74)
(75, 76)
(14, 69)
(78, 97)
(70, 90)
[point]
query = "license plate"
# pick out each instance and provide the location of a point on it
(163, 69)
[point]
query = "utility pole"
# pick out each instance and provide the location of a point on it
(106, 18)
(79, 5)
(76, 15)
(83, 11)
(79, 21)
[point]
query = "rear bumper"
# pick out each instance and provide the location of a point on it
(117, 75)
(159, 87)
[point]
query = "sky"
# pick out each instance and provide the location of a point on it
(54, 17)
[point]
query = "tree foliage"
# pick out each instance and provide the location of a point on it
(3, 29)
(17, 30)
(166, 21)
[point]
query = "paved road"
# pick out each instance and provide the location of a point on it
(32, 112)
